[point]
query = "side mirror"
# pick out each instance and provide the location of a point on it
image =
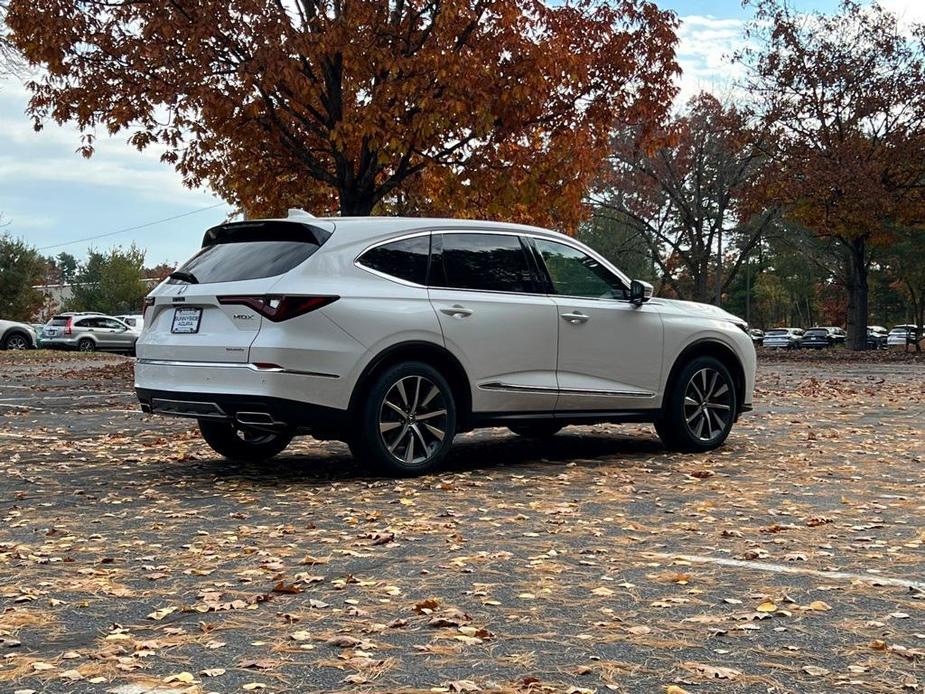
(640, 292)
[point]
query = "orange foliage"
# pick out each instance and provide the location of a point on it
(497, 108)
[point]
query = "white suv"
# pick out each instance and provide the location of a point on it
(395, 334)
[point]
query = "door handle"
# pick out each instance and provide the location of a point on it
(575, 317)
(457, 311)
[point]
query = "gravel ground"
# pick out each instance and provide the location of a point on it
(791, 560)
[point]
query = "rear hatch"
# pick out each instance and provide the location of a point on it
(211, 308)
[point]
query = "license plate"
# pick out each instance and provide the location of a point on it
(186, 320)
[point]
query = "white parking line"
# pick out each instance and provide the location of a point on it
(20, 407)
(782, 569)
(61, 397)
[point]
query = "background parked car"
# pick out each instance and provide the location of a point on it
(15, 335)
(134, 320)
(902, 335)
(89, 332)
(820, 337)
(783, 338)
(757, 336)
(876, 336)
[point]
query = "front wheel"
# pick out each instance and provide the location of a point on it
(407, 421)
(700, 408)
(245, 445)
(16, 341)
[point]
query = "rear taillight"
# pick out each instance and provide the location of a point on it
(279, 308)
(68, 327)
(149, 302)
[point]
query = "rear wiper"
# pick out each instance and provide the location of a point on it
(183, 276)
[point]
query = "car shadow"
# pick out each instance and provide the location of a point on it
(483, 451)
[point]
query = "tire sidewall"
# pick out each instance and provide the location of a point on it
(86, 341)
(223, 439)
(370, 444)
(674, 418)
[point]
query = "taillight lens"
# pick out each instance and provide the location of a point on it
(68, 327)
(279, 308)
(149, 302)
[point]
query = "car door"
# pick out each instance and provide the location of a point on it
(119, 334)
(496, 319)
(610, 350)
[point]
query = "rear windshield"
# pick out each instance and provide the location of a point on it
(58, 320)
(251, 250)
(816, 333)
(776, 332)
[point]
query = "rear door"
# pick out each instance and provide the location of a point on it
(496, 319)
(201, 312)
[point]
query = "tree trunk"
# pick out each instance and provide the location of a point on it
(857, 294)
(356, 203)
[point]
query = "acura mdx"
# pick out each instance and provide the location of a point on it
(394, 335)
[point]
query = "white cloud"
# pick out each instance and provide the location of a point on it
(705, 47)
(908, 11)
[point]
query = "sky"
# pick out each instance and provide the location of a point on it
(53, 198)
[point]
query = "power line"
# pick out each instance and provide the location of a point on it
(139, 226)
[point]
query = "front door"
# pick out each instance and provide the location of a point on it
(610, 351)
(496, 320)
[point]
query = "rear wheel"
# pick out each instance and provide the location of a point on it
(700, 409)
(536, 430)
(85, 344)
(238, 443)
(407, 421)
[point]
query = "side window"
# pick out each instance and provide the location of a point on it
(405, 259)
(574, 273)
(486, 262)
(110, 323)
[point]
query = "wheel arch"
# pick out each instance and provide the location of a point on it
(709, 347)
(430, 353)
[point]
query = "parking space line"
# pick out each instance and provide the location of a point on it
(20, 407)
(873, 579)
(62, 397)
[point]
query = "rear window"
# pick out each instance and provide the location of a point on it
(58, 320)
(485, 262)
(251, 250)
(817, 333)
(776, 332)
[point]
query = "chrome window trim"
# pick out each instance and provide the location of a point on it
(548, 390)
(234, 365)
(565, 240)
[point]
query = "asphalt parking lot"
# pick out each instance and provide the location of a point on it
(791, 560)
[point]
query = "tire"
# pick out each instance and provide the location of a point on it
(85, 344)
(16, 341)
(537, 430)
(249, 446)
(413, 399)
(684, 424)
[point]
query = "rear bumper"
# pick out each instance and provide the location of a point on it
(255, 410)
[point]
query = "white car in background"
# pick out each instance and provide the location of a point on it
(16, 335)
(135, 321)
(396, 334)
(902, 335)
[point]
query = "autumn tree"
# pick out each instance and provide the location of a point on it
(844, 94)
(492, 107)
(904, 263)
(11, 61)
(687, 197)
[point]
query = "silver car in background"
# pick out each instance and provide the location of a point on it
(89, 332)
(783, 338)
(15, 335)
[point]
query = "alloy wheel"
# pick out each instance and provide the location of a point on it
(708, 404)
(16, 342)
(413, 420)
